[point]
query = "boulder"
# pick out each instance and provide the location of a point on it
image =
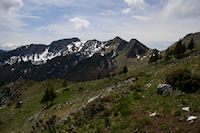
(164, 89)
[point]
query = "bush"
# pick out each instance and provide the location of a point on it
(125, 69)
(191, 44)
(107, 122)
(107, 113)
(179, 49)
(184, 81)
(48, 96)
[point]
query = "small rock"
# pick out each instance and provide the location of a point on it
(148, 85)
(164, 89)
(110, 90)
(92, 99)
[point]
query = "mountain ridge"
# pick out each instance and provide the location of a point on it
(65, 56)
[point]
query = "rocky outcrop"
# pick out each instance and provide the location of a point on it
(164, 89)
(96, 103)
(6, 95)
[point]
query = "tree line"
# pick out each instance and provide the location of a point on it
(178, 51)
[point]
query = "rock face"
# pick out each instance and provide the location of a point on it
(164, 89)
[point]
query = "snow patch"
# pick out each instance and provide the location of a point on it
(191, 119)
(153, 114)
(185, 108)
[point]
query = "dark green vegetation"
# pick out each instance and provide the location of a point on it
(125, 69)
(179, 49)
(125, 109)
(184, 80)
(191, 44)
(49, 96)
(154, 58)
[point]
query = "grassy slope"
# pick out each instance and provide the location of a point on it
(170, 117)
(12, 119)
(135, 113)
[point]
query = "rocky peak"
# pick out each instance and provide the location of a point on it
(60, 44)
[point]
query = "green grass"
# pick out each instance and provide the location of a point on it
(149, 101)
(122, 114)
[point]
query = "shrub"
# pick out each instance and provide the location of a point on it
(107, 122)
(80, 89)
(167, 53)
(184, 80)
(191, 44)
(48, 96)
(179, 49)
(107, 113)
(125, 70)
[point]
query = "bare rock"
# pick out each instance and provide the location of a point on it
(164, 89)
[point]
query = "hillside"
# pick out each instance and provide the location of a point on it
(120, 102)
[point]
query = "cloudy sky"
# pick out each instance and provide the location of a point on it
(156, 23)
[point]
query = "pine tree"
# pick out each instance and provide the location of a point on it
(45, 97)
(49, 96)
(191, 44)
(167, 54)
(125, 70)
(52, 95)
(179, 49)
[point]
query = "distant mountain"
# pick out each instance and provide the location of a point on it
(1, 51)
(70, 58)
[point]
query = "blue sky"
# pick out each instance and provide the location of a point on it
(156, 23)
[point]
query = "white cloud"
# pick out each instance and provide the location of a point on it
(80, 23)
(30, 16)
(58, 3)
(137, 4)
(8, 46)
(7, 5)
(181, 8)
(126, 11)
(10, 19)
(107, 13)
(141, 18)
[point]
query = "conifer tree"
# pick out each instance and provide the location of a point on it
(191, 44)
(125, 70)
(52, 95)
(49, 96)
(179, 49)
(167, 54)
